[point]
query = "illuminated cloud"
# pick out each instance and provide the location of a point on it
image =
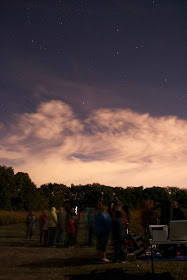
(115, 147)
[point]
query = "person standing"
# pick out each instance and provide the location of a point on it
(60, 228)
(118, 230)
(102, 231)
(177, 214)
(69, 216)
(30, 223)
(42, 220)
(100, 201)
(71, 232)
(148, 214)
(46, 229)
(53, 221)
(91, 221)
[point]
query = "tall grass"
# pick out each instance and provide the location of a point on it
(136, 221)
(14, 217)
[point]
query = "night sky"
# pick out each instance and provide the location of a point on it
(94, 91)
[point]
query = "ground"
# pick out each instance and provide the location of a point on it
(21, 258)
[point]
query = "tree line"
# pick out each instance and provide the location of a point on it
(18, 192)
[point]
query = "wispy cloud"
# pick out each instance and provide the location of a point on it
(117, 147)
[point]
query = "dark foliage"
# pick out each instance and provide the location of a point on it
(18, 192)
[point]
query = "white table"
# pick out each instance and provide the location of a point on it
(166, 242)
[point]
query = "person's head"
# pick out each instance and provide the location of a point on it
(101, 196)
(118, 207)
(72, 209)
(60, 210)
(175, 204)
(53, 209)
(45, 212)
(103, 208)
(91, 211)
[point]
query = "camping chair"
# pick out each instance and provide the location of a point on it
(135, 247)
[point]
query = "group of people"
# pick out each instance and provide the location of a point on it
(112, 219)
(53, 228)
(57, 227)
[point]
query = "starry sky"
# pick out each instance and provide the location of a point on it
(94, 91)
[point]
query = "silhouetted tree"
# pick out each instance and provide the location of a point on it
(8, 190)
(179, 195)
(28, 197)
(157, 194)
(19, 192)
(55, 194)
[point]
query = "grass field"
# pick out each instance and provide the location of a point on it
(21, 258)
(14, 217)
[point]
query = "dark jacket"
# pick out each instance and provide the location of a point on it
(118, 229)
(60, 220)
(102, 223)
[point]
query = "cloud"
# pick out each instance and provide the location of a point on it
(116, 147)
